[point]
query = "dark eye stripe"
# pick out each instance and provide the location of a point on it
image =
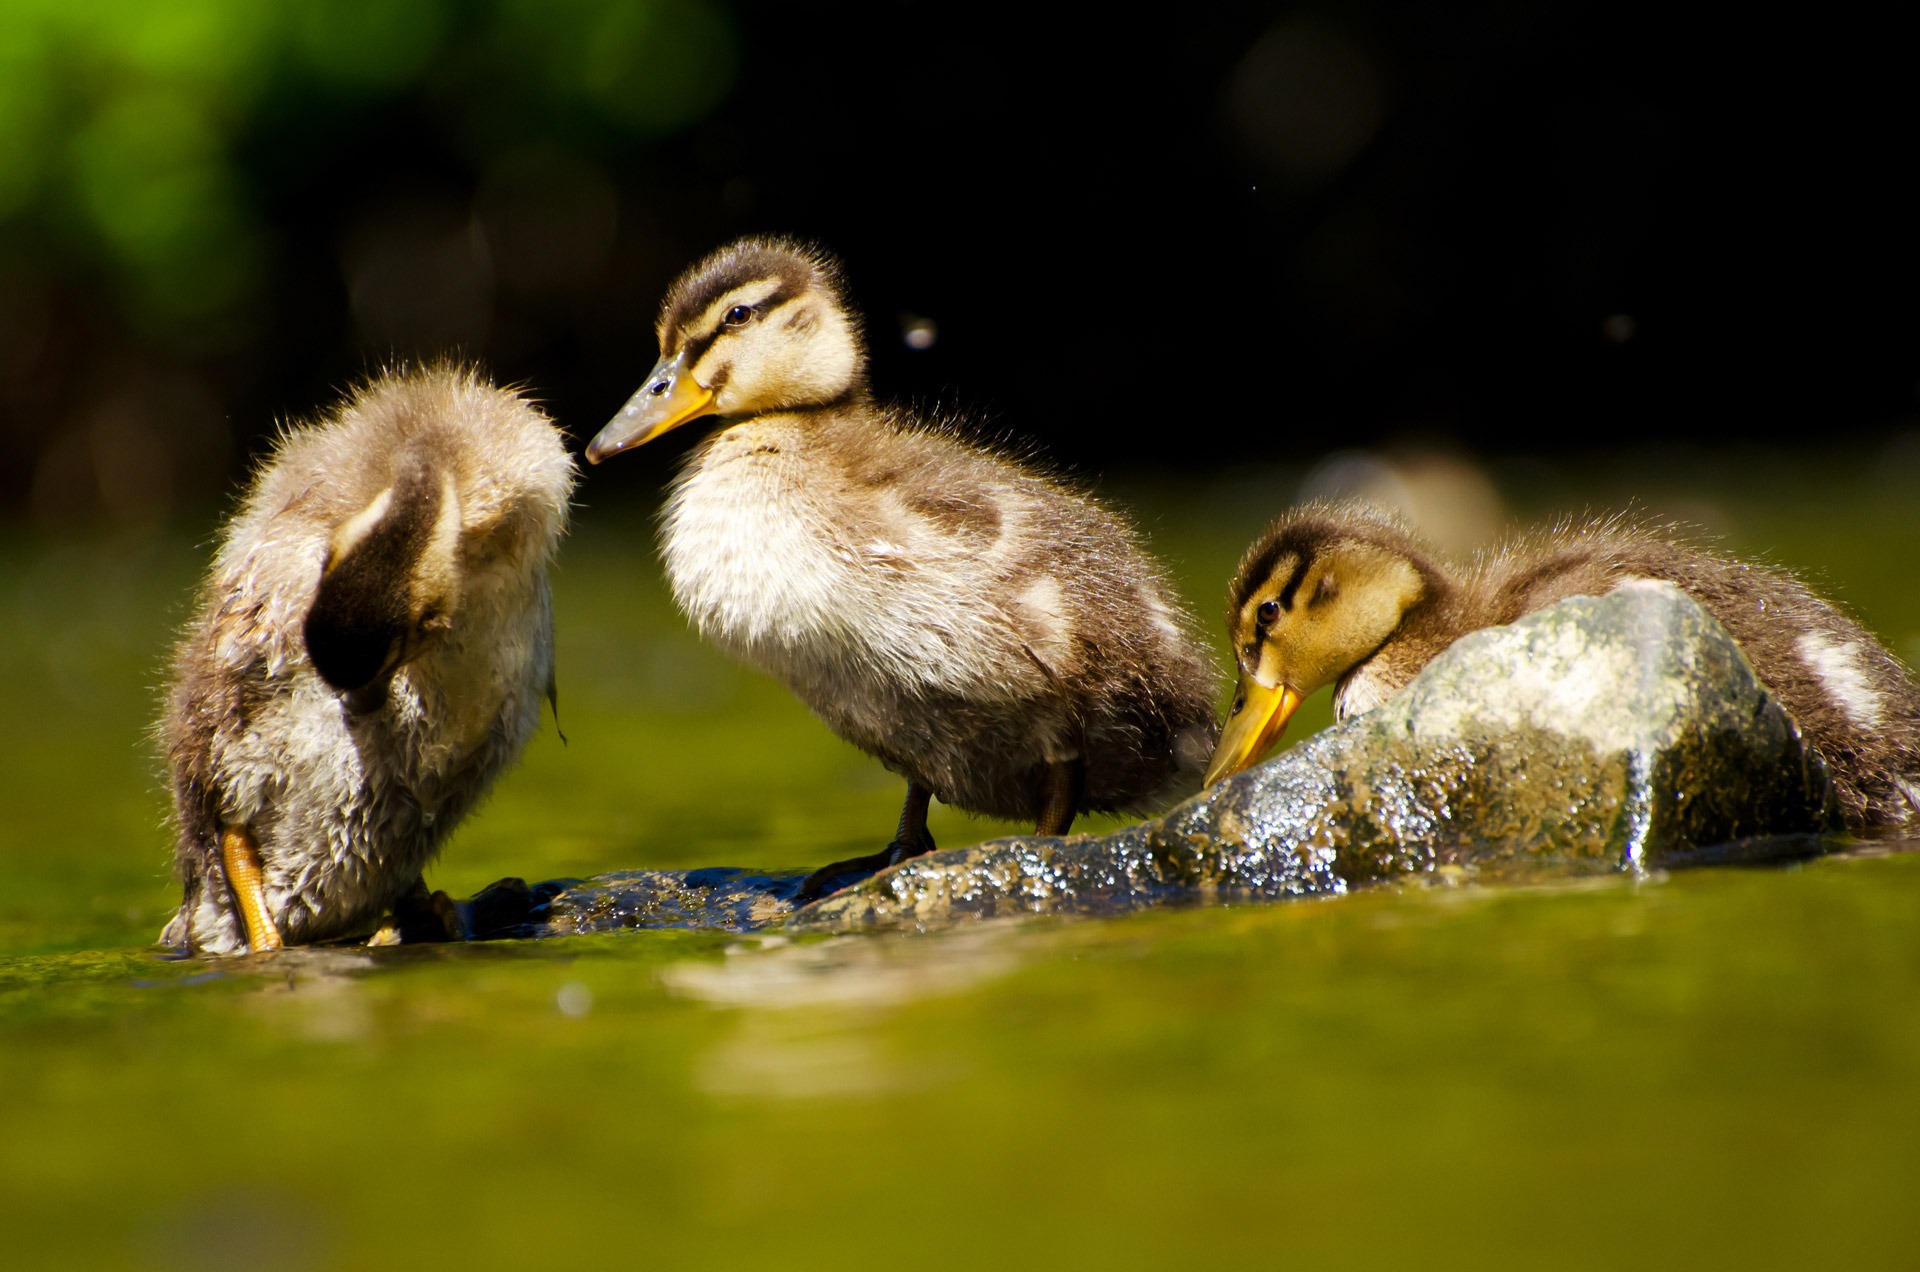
(1293, 584)
(697, 346)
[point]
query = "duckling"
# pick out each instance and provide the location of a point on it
(1001, 641)
(1343, 594)
(372, 645)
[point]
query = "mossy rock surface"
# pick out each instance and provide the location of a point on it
(1624, 732)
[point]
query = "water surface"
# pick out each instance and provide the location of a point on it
(1716, 1068)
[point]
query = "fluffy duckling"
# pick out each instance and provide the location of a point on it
(371, 649)
(1341, 594)
(1000, 641)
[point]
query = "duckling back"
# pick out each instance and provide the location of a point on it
(1855, 702)
(371, 649)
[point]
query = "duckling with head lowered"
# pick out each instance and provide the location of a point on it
(372, 648)
(1002, 642)
(1342, 594)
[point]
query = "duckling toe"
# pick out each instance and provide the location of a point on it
(420, 917)
(843, 874)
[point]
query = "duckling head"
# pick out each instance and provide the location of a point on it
(1314, 597)
(390, 586)
(760, 325)
(441, 498)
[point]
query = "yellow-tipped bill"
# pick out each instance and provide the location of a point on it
(669, 398)
(1258, 720)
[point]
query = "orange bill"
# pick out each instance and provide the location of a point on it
(669, 398)
(1259, 717)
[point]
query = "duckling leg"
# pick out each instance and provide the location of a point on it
(911, 840)
(241, 856)
(1060, 796)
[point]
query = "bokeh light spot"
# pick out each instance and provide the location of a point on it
(1307, 98)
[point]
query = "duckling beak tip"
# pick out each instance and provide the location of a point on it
(1253, 728)
(603, 447)
(669, 398)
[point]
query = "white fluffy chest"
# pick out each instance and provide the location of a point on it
(784, 566)
(747, 558)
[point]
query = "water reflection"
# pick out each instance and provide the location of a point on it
(810, 1015)
(850, 973)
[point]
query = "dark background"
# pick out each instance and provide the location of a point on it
(1230, 232)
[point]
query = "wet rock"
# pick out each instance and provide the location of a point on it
(721, 897)
(1623, 732)
(510, 908)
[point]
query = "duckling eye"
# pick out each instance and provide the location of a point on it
(738, 316)
(1268, 611)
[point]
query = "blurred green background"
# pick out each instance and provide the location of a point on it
(1490, 265)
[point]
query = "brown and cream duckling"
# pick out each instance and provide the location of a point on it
(999, 640)
(1342, 594)
(372, 647)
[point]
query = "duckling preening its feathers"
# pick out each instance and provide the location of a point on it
(1001, 641)
(1343, 594)
(372, 647)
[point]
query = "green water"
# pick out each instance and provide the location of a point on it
(1716, 1068)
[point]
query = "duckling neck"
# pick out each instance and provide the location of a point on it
(487, 678)
(852, 403)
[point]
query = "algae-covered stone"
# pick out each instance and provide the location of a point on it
(1604, 733)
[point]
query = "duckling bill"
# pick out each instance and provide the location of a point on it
(372, 647)
(1343, 594)
(1001, 641)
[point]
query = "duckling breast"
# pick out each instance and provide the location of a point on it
(835, 584)
(742, 555)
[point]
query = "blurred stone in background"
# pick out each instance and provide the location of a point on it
(1442, 493)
